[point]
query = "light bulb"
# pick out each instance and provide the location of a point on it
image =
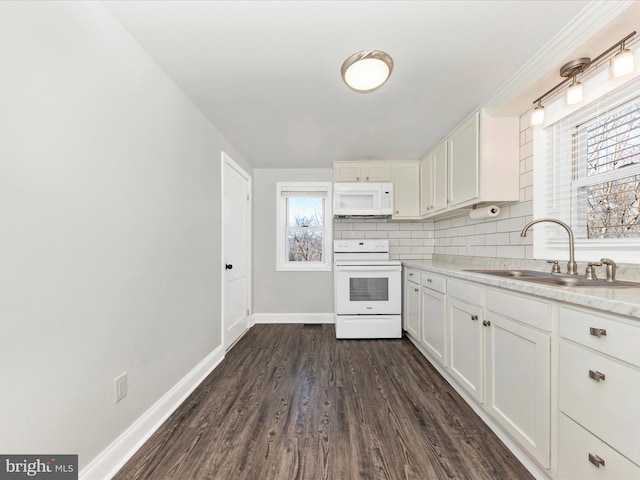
(366, 74)
(623, 63)
(537, 116)
(574, 94)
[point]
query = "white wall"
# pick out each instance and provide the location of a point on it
(283, 292)
(109, 233)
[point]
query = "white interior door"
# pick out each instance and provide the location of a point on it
(236, 250)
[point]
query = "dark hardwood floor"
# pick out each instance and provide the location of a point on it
(292, 402)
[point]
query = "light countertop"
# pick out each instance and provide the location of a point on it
(620, 300)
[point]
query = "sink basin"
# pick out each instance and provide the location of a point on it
(512, 273)
(574, 281)
(556, 279)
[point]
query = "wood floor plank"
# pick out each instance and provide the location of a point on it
(290, 402)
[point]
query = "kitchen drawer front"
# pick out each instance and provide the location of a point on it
(467, 292)
(578, 448)
(434, 282)
(608, 407)
(603, 334)
(533, 312)
(413, 275)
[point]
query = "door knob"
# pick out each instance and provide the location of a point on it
(228, 266)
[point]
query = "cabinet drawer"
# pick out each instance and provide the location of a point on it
(608, 406)
(467, 292)
(578, 449)
(413, 275)
(603, 334)
(434, 282)
(533, 312)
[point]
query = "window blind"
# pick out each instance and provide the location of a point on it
(592, 179)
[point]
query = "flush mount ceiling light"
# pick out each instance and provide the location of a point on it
(579, 67)
(367, 70)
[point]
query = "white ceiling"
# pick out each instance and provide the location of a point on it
(267, 73)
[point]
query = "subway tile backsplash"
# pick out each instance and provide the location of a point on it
(407, 240)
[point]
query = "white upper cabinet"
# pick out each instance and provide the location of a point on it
(362, 172)
(482, 166)
(479, 162)
(464, 162)
(406, 190)
(433, 181)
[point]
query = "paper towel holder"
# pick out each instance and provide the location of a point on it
(492, 208)
(483, 212)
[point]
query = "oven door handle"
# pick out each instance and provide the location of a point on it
(366, 268)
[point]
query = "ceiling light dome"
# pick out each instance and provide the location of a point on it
(367, 70)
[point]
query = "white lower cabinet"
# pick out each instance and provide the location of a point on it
(518, 385)
(583, 456)
(497, 345)
(434, 316)
(412, 303)
(599, 390)
(466, 341)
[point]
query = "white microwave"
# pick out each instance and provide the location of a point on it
(362, 199)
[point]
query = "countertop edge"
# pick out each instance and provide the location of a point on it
(622, 301)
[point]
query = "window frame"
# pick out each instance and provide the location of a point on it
(325, 190)
(550, 242)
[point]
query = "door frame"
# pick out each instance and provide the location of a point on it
(227, 160)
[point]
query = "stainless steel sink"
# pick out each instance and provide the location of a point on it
(556, 279)
(512, 273)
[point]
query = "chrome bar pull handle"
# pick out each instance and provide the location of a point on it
(598, 332)
(596, 460)
(597, 376)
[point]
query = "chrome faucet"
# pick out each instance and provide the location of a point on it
(611, 269)
(572, 267)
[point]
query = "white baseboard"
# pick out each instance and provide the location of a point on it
(110, 460)
(293, 318)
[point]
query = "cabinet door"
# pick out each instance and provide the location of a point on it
(439, 180)
(464, 162)
(426, 185)
(433, 324)
(518, 383)
(406, 190)
(412, 309)
(347, 172)
(466, 346)
(377, 172)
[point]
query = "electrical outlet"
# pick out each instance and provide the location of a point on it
(120, 387)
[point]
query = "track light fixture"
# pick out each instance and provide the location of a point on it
(622, 64)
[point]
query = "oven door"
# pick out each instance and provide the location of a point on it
(367, 290)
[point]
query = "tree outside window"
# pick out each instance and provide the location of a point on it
(305, 229)
(608, 179)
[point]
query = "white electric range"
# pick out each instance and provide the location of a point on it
(367, 290)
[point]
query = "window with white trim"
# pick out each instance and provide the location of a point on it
(304, 226)
(591, 180)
